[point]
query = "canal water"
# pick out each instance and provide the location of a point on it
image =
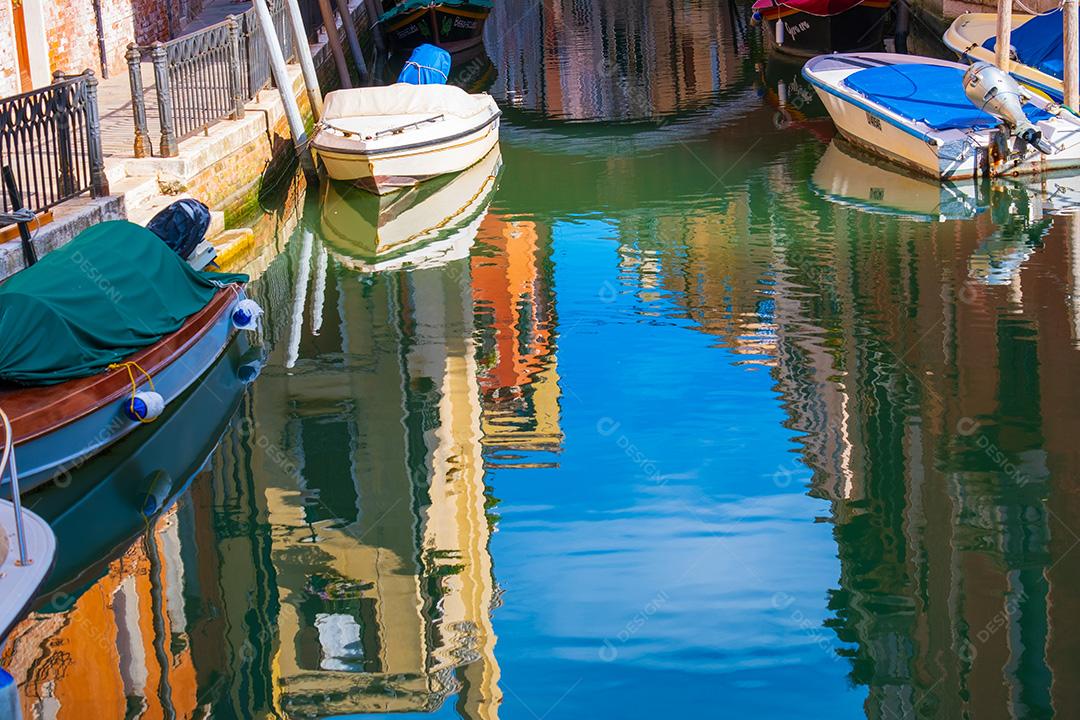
(678, 407)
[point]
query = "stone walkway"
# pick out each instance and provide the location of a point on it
(114, 94)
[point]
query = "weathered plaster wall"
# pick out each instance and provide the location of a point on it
(71, 27)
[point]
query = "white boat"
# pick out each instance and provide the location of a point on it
(19, 581)
(388, 138)
(1036, 40)
(916, 111)
(27, 554)
(420, 228)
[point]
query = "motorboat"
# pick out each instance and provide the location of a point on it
(453, 25)
(942, 118)
(388, 138)
(427, 226)
(806, 28)
(99, 337)
(1036, 42)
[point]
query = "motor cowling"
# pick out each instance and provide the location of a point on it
(993, 90)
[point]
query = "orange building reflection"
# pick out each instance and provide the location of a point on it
(122, 646)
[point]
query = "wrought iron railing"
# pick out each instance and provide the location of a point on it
(51, 140)
(207, 76)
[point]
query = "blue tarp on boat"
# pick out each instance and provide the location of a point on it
(428, 65)
(933, 94)
(1038, 43)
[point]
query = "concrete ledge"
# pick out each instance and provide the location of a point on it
(70, 219)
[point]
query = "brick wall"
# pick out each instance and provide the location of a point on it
(72, 29)
(9, 67)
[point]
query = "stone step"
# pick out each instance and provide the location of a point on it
(232, 245)
(138, 193)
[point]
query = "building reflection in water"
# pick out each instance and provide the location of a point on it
(333, 557)
(596, 60)
(924, 366)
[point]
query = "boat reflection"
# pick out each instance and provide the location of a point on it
(848, 177)
(112, 621)
(424, 226)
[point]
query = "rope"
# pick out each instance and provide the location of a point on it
(23, 215)
(1029, 11)
(420, 67)
(134, 385)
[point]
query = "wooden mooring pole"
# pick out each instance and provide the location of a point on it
(354, 42)
(1071, 79)
(303, 53)
(1004, 35)
(332, 37)
(284, 85)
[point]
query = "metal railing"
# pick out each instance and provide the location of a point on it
(207, 76)
(51, 140)
(7, 463)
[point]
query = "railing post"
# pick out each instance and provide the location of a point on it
(236, 83)
(160, 57)
(65, 156)
(99, 184)
(138, 101)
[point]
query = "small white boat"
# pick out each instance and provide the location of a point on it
(388, 138)
(1036, 41)
(918, 112)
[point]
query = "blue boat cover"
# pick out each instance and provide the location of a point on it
(428, 65)
(1038, 43)
(933, 94)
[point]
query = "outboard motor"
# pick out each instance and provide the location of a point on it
(993, 90)
(183, 227)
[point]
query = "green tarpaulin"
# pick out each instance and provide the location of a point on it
(113, 290)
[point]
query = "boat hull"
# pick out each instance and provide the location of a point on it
(92, 420)
(860, 29)
(20, 584)
(452, 28)
(389, 171)
(113, 497)
(966, 35)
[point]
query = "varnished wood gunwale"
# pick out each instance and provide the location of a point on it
(38, 411)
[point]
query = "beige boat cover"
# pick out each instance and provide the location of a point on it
(405, 99)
